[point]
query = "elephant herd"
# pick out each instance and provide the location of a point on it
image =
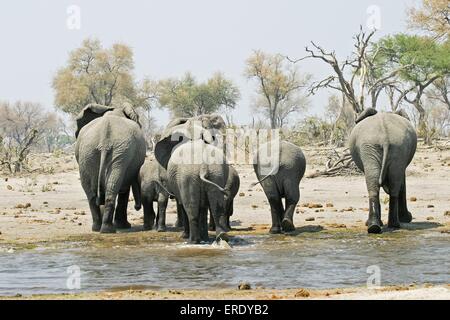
(189, 167)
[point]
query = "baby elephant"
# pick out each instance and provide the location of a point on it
(281, 179)
(382, 146)
(231, 189)
(152, 180)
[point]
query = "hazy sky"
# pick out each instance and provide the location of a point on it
(170, 37)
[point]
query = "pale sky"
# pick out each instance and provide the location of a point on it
(170, 37)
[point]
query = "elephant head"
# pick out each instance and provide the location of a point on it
(93, 111)
(182, 129)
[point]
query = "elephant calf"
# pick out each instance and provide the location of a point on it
(231, 189)
(382, 146)
(153, 183)
(281, 182)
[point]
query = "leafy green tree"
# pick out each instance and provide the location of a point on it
(94, 74)
(424, 61)
(186, 97)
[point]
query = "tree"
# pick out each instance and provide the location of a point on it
(99, 75)
(186, 97)
(360, 77)
(279, 86)
(441, 91)
(421, 61)
(22, 125)
(433, 17)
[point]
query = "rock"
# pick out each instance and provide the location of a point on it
(413, 199)
(244, 286)
(430, 206)
(310, 219)
(314, 205)
(447, 213)
(9, 187)
(80, 224)
(430, 218)
(242, 194)
(254, 206)
(329, 205)
(302, 293)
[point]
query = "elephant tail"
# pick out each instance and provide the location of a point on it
(270, 174)
(101, 178)
(383, 164)
(203, 178)
(136, 188)
(164, 188)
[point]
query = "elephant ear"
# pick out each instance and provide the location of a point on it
(131, 114)
(365, 114)
(90, 112)
(171, 137)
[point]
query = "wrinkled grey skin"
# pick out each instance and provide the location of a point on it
(283, 183)
(110, 149)
(382, 146)
(198, 186)
(153, 184)
(231, 188)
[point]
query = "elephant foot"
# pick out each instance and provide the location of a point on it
(394, 225)
(122, 224)
(405, 217)
(287, 225)
(148, 227)
(374, 228)
(380, 223)
(275, 230)
(107, 228)
(211, 228)
(96, 227)
(161, 229)
(222, 236)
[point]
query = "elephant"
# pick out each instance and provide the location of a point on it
(153, 186)
(199, 132)
(110, 149)
(382, 146)
(231, 188)
(287, 168)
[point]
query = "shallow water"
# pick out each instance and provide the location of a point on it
(312, 260)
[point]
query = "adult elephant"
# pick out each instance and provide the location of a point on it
(382, 146)
(110, 149)
(279, 168)
(206, 129)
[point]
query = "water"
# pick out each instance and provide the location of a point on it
(312, 260)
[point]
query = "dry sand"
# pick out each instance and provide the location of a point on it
(44, 208)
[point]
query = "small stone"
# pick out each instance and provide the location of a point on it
(9, 187)
(80, 224)
(430, 218)
(302, 293)
(310, 219)
(315, 205)
(413, 199)
(430, 206)
(447, 213)
(244, 286)
(242, 194)
(254, 206)
(329, 205)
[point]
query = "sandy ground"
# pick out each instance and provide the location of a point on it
(41, 208)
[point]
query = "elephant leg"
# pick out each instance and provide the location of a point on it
(292, 198)
(96, 215)
(395, 186)
(120, 217)
(203, 223)
(212, 224)
(179, 223)
(372, 174)
(229, 213)
(162, 205)
(277, 211)
(193, 214)
(403, 214)
(216, 206)
(149, 212)
(185, 221)
(107, 220)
